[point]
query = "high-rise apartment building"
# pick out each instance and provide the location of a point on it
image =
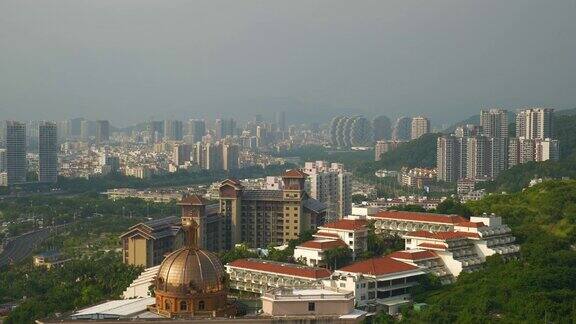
(173, 130)
(419, 126)
(155, 130)
(196, 130)
(281, 121)
(16, 166)
(47, 152)
(87, 129)
(181, 153)
(224, 127)
(476, 151)
(102, 131)
(384, 146)
(230, 155)
(448, 158)
(535, 123)
(494, 123)
(468, 130)
(63, 129)
(402, 130)
(523, 150)
(2, 160)
(351, 131)
(331, 184)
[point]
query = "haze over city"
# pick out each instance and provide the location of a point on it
(134, 60)
(319, 161)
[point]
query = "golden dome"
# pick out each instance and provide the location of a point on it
(190, 271)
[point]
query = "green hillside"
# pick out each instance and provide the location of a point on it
(540, 287)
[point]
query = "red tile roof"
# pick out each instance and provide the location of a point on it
(442, 235)
(420, 217)
(323, 244)
(192, 200)
(379, 266)
(346, 224)
(413, 255)
(325, 234)
(433, 246)
(288, 269)
(294, 173)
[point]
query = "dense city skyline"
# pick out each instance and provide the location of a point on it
(138, 60)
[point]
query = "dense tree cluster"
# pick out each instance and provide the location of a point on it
(79, 283)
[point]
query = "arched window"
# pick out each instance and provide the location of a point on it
(201, 305)
(167, 305)
(183, 306)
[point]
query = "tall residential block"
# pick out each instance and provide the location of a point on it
(224, 127)
(419, 126)
(181, 153)
(331, 184)
(402, 130)
(448, 158)
(15, 152)
(47, 152)
(351, 131)
(196, 130)
(230, 155)
(494, 123)
(535, 123)
(384, 146)
(173, 130)
(102, 131)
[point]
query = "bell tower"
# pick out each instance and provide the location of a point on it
(193, 219)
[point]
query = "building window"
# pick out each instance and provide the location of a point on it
(183, 306)
(408, 241)
(311, 307)
(167, 305)
(350, 234)
(201, 305)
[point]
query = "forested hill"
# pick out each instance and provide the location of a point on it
(540, 287)
(417, 153)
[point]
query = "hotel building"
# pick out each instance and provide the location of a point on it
(258, 276)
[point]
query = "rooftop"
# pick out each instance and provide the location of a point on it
(442, 236)
(413, 255)
(346, 224)
(294, 173)
(262, 194)
(289, 269)
(379, 266)
(116, 308)
(323, 244)
(420, 217)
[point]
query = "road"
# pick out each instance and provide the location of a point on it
(20, 247)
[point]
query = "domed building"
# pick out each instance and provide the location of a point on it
(190, 280)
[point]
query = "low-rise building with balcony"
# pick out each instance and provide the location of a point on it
(258, 276)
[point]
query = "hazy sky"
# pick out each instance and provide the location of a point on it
(132, 60)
